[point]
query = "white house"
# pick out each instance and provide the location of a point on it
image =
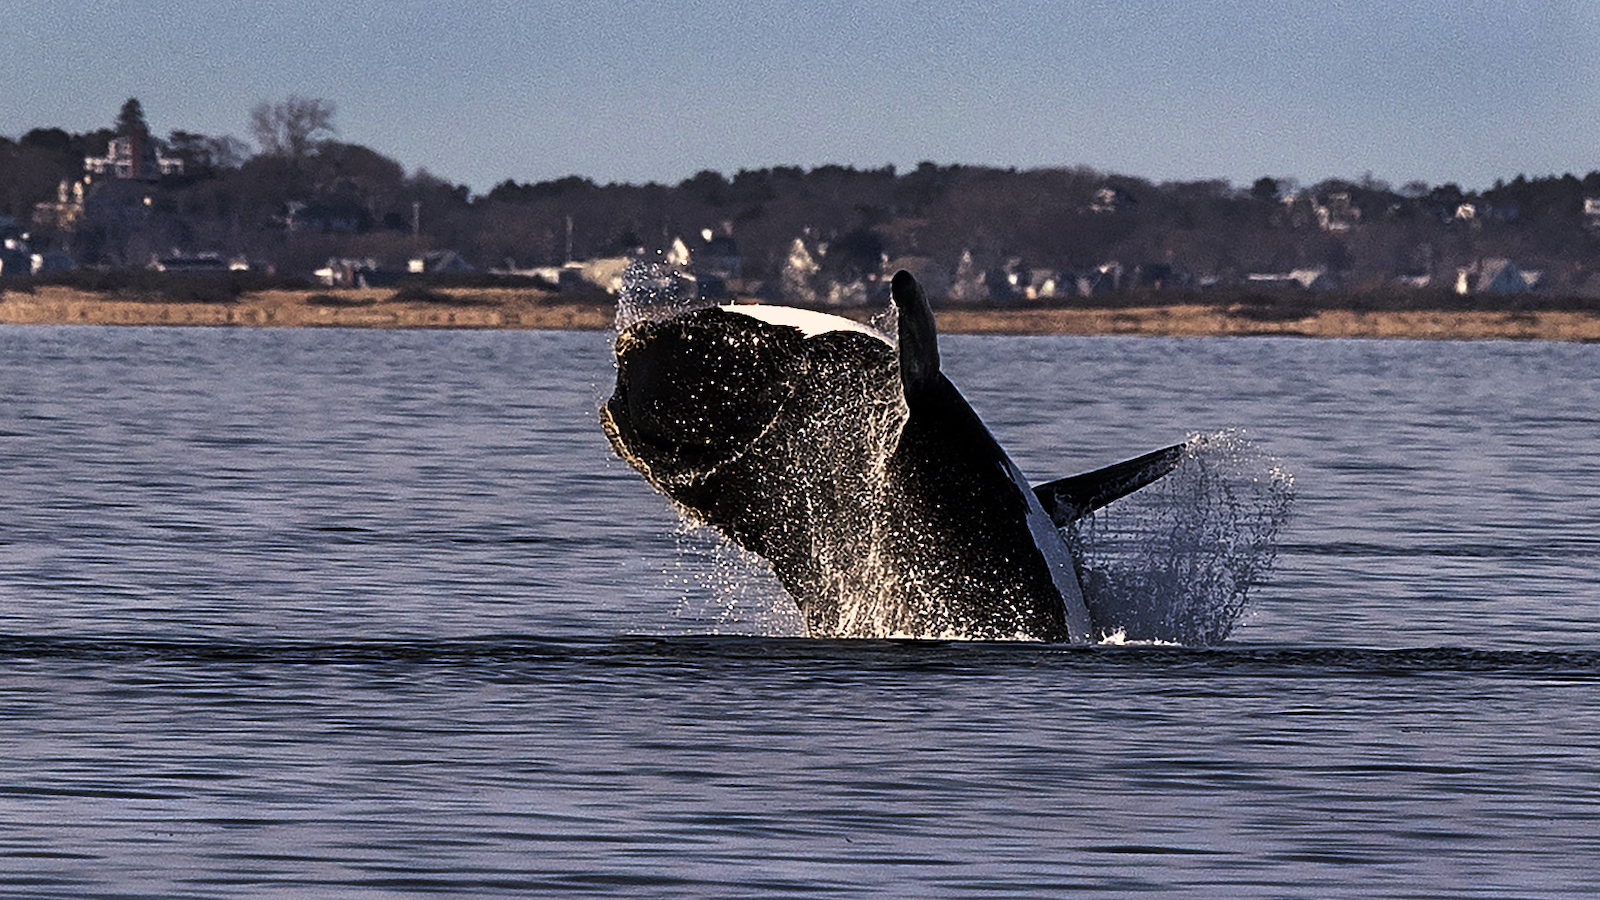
(1492, 276)
(1308, 279)
(134, 156)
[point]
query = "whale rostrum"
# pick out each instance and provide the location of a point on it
(850, 463)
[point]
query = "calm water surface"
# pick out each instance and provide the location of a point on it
(353, 613)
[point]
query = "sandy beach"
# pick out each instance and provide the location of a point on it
(525, 308)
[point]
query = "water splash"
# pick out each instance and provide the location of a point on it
(655, 291)
(730, 589)
(1174, 562)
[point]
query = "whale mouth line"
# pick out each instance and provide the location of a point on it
(689, 465)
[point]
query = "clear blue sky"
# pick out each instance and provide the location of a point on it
(1437, 90)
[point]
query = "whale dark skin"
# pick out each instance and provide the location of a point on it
(857, 470)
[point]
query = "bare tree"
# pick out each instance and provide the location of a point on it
(292, 128)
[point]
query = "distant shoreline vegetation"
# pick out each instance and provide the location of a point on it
(303, 207)
(1270, 302)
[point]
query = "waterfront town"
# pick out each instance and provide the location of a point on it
(298, 207)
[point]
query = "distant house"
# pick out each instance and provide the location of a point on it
(1591, 213)
(934, 278)
(1337, 214)
(1043, 284)
(719, 256)
(603, 272)
(51, 261)
(328, 218)
(1110, 199)
(439, 262)
(1105, 278)
(1008, 282)
(355, 272)
(1159, 277)
(1493, 276)
(580, 275)
(135, 156)
(205, 263)
(14, 251)
(15, 260)
(1314, 279)
(1015, 281)
(1303, 279)
(67, 209)
(1484, 212)
(968, 284)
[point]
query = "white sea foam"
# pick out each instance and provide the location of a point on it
(1119, 638)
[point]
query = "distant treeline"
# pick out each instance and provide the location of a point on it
(303, 198)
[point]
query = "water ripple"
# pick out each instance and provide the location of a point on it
(712, 651)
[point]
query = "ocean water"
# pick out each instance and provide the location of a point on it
(346, 613)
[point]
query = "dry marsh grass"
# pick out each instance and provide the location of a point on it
(521, 307)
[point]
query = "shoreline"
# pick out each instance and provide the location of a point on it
(533, 309)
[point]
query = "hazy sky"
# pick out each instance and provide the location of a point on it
(1437, 90)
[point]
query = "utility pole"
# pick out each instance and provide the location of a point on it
(416, 218)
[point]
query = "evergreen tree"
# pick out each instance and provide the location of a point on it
(130, 121)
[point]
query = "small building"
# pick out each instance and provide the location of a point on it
(1044, 284)
(1492, 276)
(1110, 199)
(1591, 213)
(15, 261)
(439, 262)
(15, 257)
(203, 263)
(67, 210)
(718, 256)
(1478, 212)
(1105, 278)
(934, 278)
(343, 217)
(1338, 214)
(138, 157)
(603, 272)
(1159, 277)
(52, 261)
(1301, 279)
(355, 272)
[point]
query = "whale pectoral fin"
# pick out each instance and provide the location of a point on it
(919, 341)
(1071, 498)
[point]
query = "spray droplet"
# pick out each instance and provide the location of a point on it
(1174, 562)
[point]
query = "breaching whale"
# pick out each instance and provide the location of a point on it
(850, 463)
